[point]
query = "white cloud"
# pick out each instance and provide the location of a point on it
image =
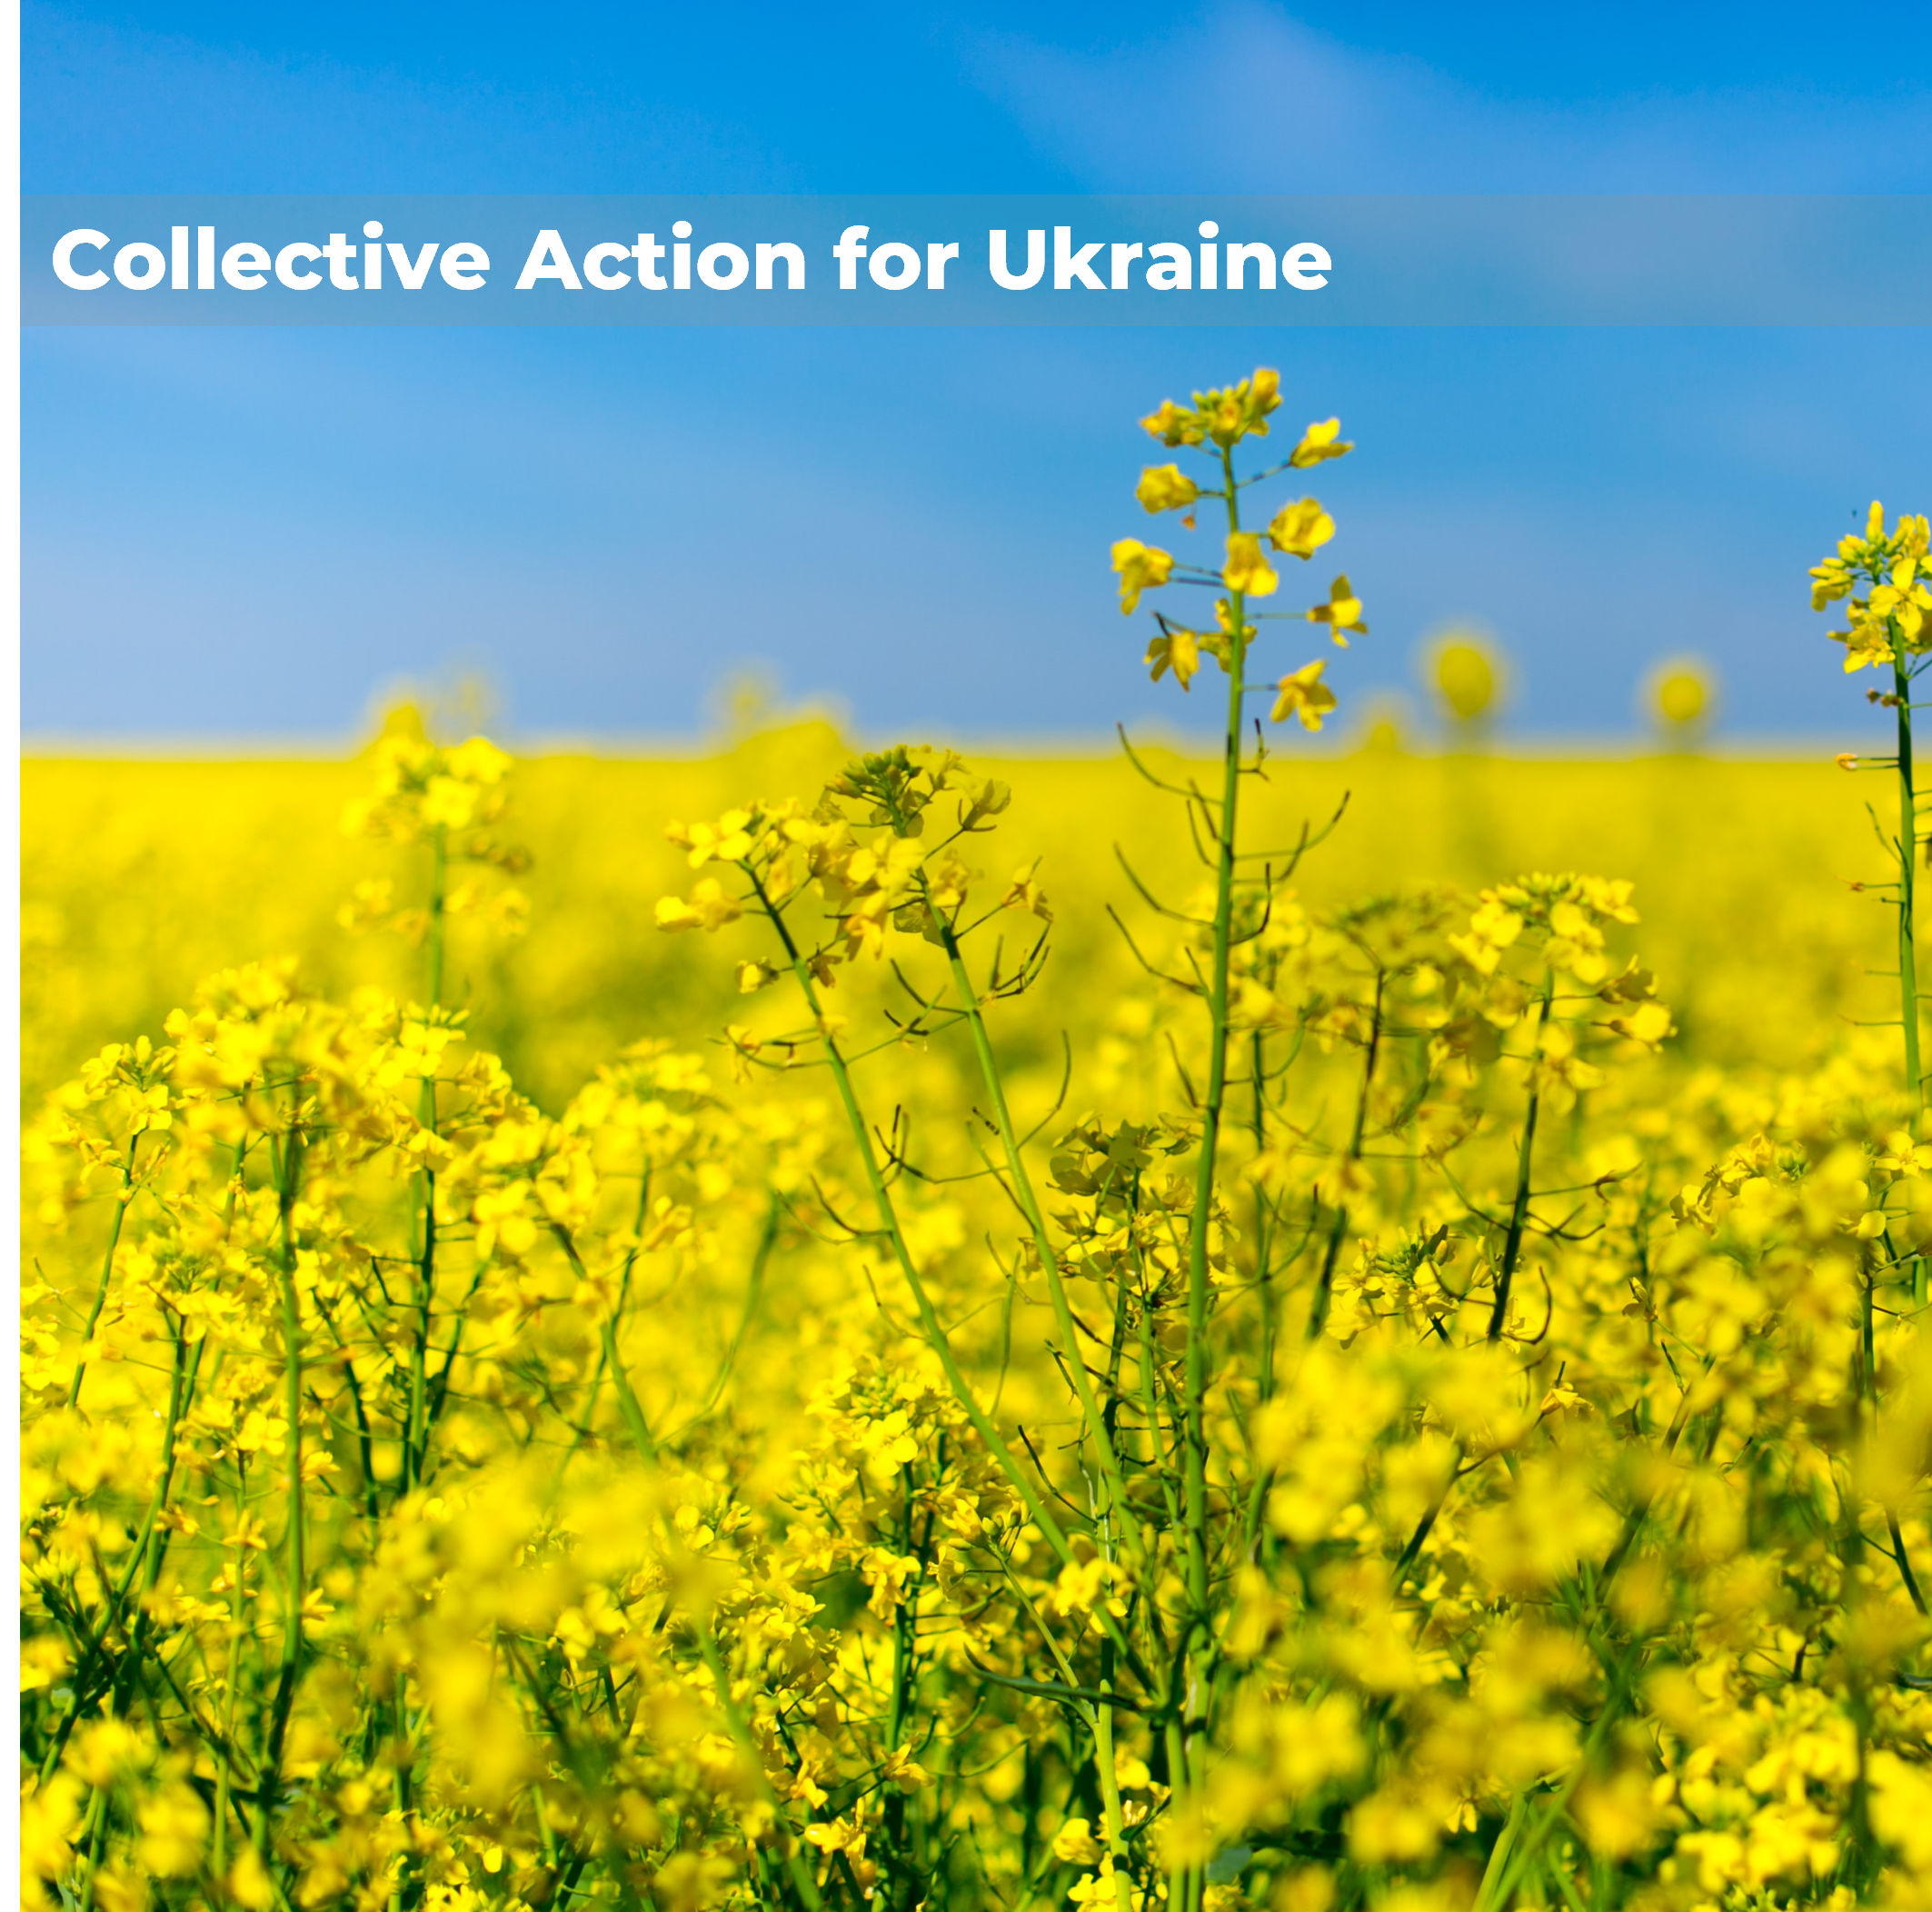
(1243, 97)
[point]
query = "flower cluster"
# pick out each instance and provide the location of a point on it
(1214, 425)
(1886, 586)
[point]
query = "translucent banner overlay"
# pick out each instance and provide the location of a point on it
(1010, 260)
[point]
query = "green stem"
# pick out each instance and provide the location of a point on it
(121, 1197)
(1524, 1840)
(415, 1438)
(631, 1409)
(1505, 1845)
(1097, 1427)
(1271, 1307)
(1195, 1447)
(1519, 1208)
(802, 1881)
(96, 1838)
(1116, 1820)
(905, 1677)
(1177, 1877)
(1905, 1562)
(238, 1630)
(1150, 1397)
(936, 1336)
(415, 1441)
(1339, 1229)
(288, 1179)
(1908, 941)
(224, 1776)
(143, 1557)
(439, 870)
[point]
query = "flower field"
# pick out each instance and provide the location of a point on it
(806, 1328)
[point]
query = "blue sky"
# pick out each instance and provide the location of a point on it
(241, 535)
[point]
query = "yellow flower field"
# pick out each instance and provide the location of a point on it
(142, 877)
(813, 1329)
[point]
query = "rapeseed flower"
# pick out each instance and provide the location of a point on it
(1142, 567)
(1303, 695)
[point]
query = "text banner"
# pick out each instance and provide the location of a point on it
(1016, 260)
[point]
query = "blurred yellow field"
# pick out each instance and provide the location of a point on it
(141, 877)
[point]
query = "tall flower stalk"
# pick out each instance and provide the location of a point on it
(1214, 425)
(1886, 583)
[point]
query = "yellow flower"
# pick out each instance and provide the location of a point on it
(1319, 442)
(1832, 580)
(1680, 692)
(900, 1769)
(1222, 643)
(728, 840)
(1025, 893)
(1099, 1889)
(1343, 612)
(1226, 415)
(839, 1835)
(1075, 1844)
(479, 762)
(1142, 567)
(1174, 649)
(250, 1883)
(49, 1817)
(1166, 488)
(708, 908)
(1174, 425)
(1081, 1587)
(1868, 641)
(1649, 1023)
(1464, 675)
(1247, 570)
(173, 1830)
(1904, 601)
(1241, 410)
(1891, 618)
(1301, 528)
(1303, 693)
